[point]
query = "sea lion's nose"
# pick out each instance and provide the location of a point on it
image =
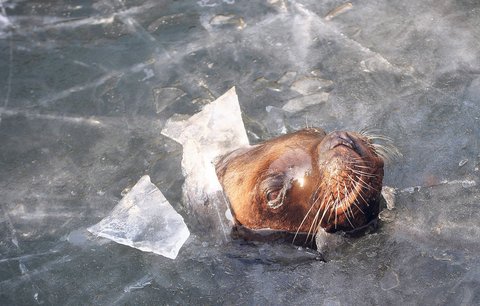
(340, 138)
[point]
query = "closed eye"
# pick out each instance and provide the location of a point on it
(272, 184)
(272, 195)
(275, 189)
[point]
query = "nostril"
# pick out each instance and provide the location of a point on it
(336, 139)
(342, 138)
(346, 137)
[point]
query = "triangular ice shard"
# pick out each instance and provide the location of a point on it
(145, 220)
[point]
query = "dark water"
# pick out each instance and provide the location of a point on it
(86, 87)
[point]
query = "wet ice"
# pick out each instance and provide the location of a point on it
(74, 102)
(301, 103)
(205, 136)
(145, 220)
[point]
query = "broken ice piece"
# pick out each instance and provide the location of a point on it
(327, 243)
(225, 20)
(310, 85)
(300, 103)
(214, 131)
(338, 10)
(145, 220)
(388, 194)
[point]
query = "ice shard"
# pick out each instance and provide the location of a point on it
(214, 131)
(145, 220)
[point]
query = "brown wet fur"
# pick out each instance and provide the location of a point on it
(342, 178)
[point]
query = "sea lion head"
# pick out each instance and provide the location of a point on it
(304, 181)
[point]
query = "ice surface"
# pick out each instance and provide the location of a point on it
(388, 194)
(311, 85)
(275, 122)
(298, 104)
(216, 130)
(328, 244)
(87, 86)
(145, 220)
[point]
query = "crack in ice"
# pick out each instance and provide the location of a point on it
(464, 183)
(35, 115)
(11, 227)
(376, 55)
(50, 22)
(100, 81)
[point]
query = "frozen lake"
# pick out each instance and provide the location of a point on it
(86, 88)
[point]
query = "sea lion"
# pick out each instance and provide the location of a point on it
(305, 181)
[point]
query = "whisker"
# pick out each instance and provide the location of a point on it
(348, 207)
(380, 137)
(339, 199)
(319, 225)
(336, 215)
(360, 194)
(348, 219)
(363, 167)
(366, 184)
(355, 203)
(328, 206)
(303, 221)
(306, 215)
(311, 227)
(387, 151)
(361, 173)
(316, 217)
(369, 131)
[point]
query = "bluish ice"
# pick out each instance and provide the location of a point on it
(144, 220)
(87, 87)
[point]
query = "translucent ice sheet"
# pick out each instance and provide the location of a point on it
(146, 221)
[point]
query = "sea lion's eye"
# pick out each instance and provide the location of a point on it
(276, 197)
(272, 195)
(275, 190)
